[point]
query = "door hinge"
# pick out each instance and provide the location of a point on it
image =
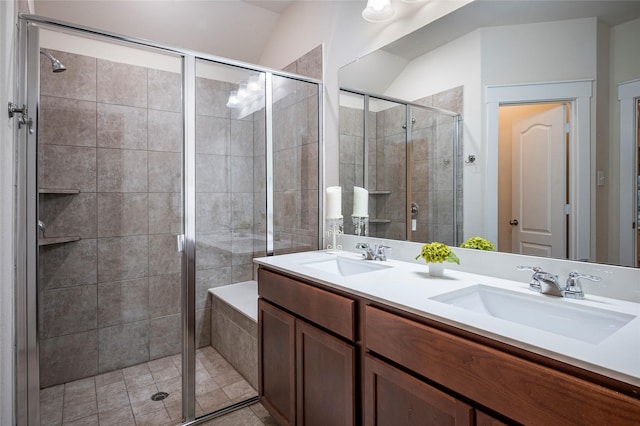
(567, 127)
(567, 209)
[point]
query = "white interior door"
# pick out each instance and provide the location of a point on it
(539, 184)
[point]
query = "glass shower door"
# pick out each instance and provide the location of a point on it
(295, 151)
(434, 186)
(110, 138)
(230, 229)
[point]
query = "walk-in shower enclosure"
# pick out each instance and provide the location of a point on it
(148, 175)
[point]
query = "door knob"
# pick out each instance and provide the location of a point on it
(513, 222)
(414, 209)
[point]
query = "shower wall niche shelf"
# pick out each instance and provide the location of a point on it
(379, 221)
(58, 191)
(47, 241)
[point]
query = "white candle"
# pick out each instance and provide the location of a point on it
(360, 202)
(334, 202)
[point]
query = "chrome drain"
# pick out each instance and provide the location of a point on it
(159, 396)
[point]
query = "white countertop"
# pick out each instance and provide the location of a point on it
(408, 286)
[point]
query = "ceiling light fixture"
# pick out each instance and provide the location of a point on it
(378, 11)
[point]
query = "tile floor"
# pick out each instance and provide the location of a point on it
(123, 397)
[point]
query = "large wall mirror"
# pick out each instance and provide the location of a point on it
(550, 163)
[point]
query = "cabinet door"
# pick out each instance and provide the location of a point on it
(277, 362)
(392, 397)
(484, 419)
(326, 378)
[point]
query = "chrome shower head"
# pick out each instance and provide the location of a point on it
(56, 65)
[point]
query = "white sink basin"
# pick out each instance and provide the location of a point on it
(342, 266)
(555, 315)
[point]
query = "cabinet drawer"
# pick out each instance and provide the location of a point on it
(524, 391)
(331, 311)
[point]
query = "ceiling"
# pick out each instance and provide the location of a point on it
(484, 13)
(235, 29)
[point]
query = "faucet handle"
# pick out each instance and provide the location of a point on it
(380, 251)
(367, 253)
(573, 289)
(529, 268)
(534, 284)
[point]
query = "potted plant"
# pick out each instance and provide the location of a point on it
(478, 243)
(435, 254)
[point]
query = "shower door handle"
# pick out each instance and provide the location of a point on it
(180, 243)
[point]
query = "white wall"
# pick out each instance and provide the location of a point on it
(7, 49)
(545, 52)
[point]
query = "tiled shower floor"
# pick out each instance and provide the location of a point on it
(123, 397)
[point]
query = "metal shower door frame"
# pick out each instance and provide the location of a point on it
(26, 237)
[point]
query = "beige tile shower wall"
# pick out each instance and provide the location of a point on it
(114, 132)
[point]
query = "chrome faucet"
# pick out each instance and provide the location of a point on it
(377, 252)
(41, 226)
(543, 282)
(546, 283)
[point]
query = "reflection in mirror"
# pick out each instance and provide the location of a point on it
(405, 155)
(496, 43)
(533, 158)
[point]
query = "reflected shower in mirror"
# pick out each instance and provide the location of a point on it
(404, 158)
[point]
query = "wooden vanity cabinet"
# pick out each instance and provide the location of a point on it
(307, 353)
(329, 358)
(523, 391)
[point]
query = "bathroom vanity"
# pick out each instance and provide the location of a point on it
(342, 343)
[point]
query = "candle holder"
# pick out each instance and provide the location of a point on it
(334, 228)
(361, 225)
